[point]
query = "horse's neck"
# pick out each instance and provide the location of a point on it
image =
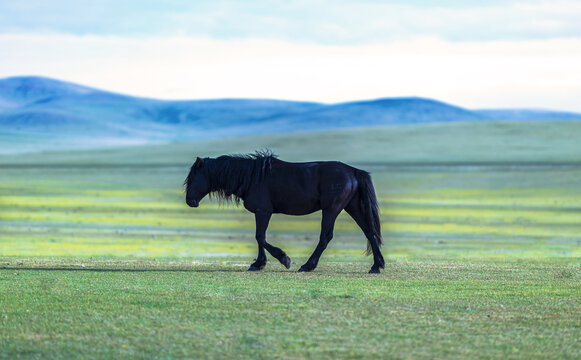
(230, 182)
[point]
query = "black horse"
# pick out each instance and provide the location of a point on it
(268, 185)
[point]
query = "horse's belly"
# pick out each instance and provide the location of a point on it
(297, 207)
(298, 211)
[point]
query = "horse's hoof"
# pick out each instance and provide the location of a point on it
(374, 271)
(286, 261)
(304, 269)
(255, 268)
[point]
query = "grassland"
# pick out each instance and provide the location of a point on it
(101, 258)
(416, 309)
(486, 142)
(115, 212)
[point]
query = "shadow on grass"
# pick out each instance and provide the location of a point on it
(136, 270)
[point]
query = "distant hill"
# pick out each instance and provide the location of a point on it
(392, 111)
(40, 107)
(528, 114)
(38, 113)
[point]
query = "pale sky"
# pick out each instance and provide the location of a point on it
(482, 54)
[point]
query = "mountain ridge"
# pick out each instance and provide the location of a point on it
(60, 110)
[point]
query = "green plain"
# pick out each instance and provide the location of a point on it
(101, 258)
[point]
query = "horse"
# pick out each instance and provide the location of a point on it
(268, 185)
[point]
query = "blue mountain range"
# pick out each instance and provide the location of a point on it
(46, 108)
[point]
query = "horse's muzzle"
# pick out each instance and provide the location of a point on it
(192, 203)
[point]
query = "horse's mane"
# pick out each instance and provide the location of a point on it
(231, 176)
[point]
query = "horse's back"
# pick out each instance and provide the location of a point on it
(302, 188)
(312, 172)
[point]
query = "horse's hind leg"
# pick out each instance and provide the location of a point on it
(262, 219)
(327, 225)
(354, 210)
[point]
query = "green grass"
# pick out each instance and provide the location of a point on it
(496, 142)
(416, 309)
(101, 258)
(139, 212)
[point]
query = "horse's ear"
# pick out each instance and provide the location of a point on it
(199, 162)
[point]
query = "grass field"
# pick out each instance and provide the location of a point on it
(486, 142)
(416, 309)
(101, 258)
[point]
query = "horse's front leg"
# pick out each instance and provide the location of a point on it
(278, 254)
(262, 219)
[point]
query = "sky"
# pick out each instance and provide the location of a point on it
(475, 54)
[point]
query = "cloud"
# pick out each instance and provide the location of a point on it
(329, 22)
(540, 73)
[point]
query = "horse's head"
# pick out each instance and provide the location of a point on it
(197, 184)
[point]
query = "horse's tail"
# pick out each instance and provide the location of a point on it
(369, 206)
